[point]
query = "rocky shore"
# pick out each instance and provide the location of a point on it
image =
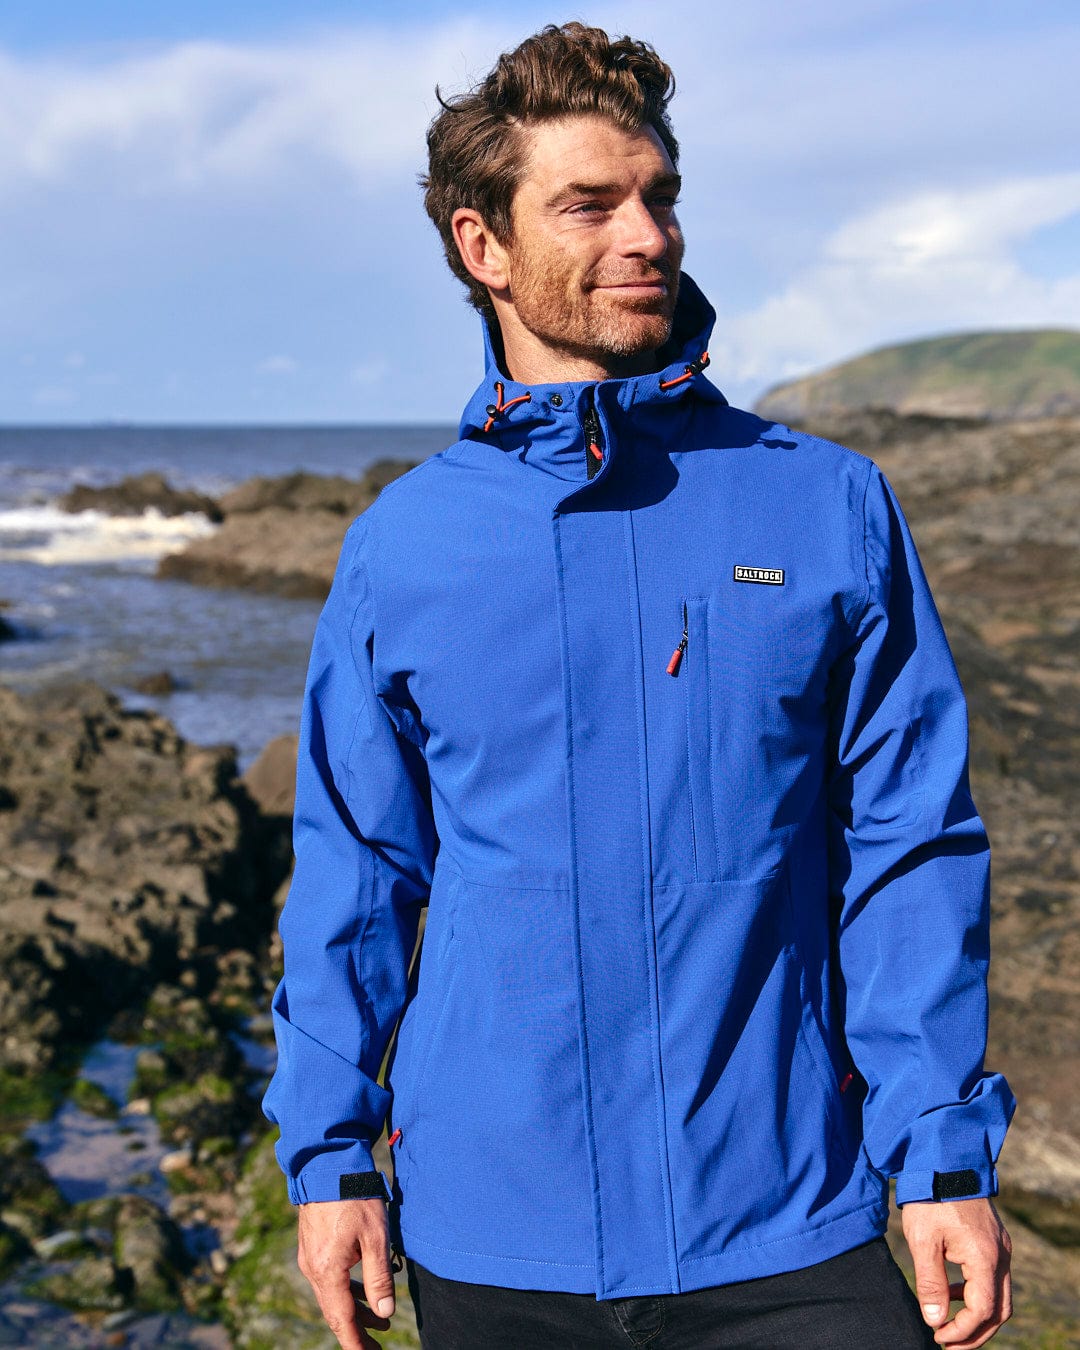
(281, 535)
(140, 879)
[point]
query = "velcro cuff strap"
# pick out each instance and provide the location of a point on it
(955, 1185)
(363, 1186)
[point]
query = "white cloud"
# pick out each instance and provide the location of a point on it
(54, 396)
(368, 373)
(932, 262)
(214, 115)
(278, 365)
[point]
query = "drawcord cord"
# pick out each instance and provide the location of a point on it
(500, 409)
(694, 368)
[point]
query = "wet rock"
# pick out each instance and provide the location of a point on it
(149, 1252)
(68, 1242)
(13, 1248)
(136, 494)
(89, 1285)
(29, 1201)
(126, 856)
(208, 1106)
(93, 1099)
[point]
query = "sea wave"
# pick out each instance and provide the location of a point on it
(51, 537)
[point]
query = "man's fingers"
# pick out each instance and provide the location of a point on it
(333, 1289)
(987, 1297)
(974, 1321)
(364, 1314)
(931, 1282)
(378, 1277)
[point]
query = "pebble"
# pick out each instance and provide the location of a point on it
(44, 1247)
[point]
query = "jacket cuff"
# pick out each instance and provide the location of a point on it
(962, 1182)
(321, 1179)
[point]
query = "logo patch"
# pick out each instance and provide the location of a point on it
(765, 576)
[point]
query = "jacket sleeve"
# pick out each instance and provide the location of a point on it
(909, 865)
(365, 844)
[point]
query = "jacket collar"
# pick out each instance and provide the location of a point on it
(543, 422)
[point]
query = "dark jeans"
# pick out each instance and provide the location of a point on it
(856, 1301)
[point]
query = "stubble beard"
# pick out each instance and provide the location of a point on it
(571, 315)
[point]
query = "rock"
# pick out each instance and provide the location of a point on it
(179, 1160)
(298, 492)
(29, 1200)
(126, 856)
(282, 535)
(149, 1251)
(93, 1099)
(13, 1249)
(136, 494)
(271, 780)
(159, 684)
(279, 552)
(90, 1285)
(58, 1246)
(209, 1106)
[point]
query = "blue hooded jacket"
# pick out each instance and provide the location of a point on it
(648, 701)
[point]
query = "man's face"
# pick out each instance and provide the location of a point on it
(596, 249)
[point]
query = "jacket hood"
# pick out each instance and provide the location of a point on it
(548, 416)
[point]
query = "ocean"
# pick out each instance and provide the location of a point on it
(80, 590)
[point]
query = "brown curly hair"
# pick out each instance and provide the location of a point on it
(476, 152)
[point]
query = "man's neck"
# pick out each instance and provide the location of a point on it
(531, 360)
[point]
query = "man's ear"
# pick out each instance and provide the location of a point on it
(483, 255)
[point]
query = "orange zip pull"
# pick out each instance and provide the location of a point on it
(393, 1138)
(595, 450)
(848, 1080)
(677, 654)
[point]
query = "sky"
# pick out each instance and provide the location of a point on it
(209, 211)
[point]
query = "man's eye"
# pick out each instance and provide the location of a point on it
(589, 208)
(666, 203)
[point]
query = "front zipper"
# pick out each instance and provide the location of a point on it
(697, 701)
(594, 451)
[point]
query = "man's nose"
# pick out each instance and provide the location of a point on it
(639, 231)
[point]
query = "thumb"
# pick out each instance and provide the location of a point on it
(932, 1284)
(378, 1277)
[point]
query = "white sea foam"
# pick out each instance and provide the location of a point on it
(51, 537)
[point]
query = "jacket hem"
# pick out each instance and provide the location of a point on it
(794, 1252)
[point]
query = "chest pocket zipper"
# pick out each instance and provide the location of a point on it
(690, 663)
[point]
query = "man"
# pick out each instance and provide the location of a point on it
(648, 701)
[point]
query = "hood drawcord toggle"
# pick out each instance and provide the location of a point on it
(694, 368)
(500, 409)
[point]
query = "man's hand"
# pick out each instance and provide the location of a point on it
(969, 1233)
(333, 1236)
